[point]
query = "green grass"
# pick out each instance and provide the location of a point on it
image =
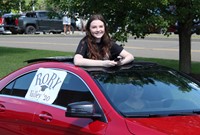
(13, 58)
(173, 64)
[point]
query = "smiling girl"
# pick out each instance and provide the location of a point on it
(97, 48)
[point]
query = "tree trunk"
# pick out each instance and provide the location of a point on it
(185, 49)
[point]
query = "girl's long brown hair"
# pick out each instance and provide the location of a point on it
(105, 41)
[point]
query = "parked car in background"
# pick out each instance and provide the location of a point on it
(41, 21)
(10, 23)
(1, 25)
(196, 27)
(2, 30)
(53, 96)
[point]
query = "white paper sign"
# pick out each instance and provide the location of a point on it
(46, 85)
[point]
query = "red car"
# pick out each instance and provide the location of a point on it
(52, 96)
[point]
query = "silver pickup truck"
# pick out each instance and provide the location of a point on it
(41, 21)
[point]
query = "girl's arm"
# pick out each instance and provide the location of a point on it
(126, 57)
(80, 61)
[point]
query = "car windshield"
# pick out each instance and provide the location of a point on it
(149, 92)
(43, 15)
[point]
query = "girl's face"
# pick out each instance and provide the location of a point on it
(97, 29)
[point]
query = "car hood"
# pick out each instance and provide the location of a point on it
(174, 125)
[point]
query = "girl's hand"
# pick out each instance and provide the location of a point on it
(109, 63)
(118, 60)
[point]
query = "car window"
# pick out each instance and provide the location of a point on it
(31, 15)
(19, 86)
(54, 15)
(73, 89)
(135, 92)
(43, 15)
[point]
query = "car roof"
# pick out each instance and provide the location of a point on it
(10, 15)
(37, 11)
(64, 59)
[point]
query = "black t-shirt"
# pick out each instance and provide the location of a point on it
(82, 49)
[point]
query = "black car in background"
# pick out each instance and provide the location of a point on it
(41, 21)
(10, 23)
(31, 22)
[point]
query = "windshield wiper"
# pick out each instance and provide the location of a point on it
(144, 115)
(163, 114)
(194, 112)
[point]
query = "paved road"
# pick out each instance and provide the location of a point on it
(151, 47)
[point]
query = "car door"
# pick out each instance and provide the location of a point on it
(57, 25)
(16, 113)
(50, 118)
(44, 23)
(56, 22)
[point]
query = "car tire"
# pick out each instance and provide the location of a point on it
(30, 29)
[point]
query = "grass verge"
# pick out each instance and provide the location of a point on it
(13, 58)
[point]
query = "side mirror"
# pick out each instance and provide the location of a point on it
(83, 109)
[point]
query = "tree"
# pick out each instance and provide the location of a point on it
(186, 12)
(5, 6)
(59, 6)
(8, 6)
(136, 17)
